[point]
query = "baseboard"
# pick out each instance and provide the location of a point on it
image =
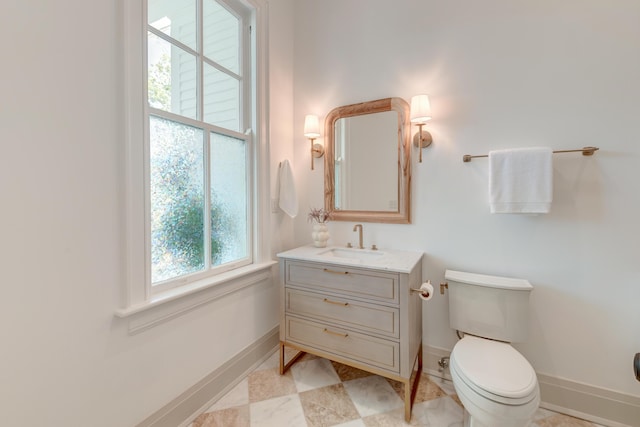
(430, 358)
(182, 410)
(598, 405)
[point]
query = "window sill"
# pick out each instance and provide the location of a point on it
(174, 302)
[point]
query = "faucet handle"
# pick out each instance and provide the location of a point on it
(374, 248)
(349, 245)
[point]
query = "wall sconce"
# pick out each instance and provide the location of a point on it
(420, 115)
(312, 131)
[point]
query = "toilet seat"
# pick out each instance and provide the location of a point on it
(494, 370)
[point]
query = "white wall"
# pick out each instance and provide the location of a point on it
(502, 74)
(281, 112)
(64, 357)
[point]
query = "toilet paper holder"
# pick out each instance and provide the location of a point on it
(443, 286)
(425, 291)
(421, 291)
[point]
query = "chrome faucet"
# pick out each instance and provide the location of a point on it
(359, 228)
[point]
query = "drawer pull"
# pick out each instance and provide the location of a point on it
(336, 302)
(335, 333)
(335, 272)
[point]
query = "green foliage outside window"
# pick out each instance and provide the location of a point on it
(183, 231)
(159, 83)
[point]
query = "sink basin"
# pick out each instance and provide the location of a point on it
(354, 254)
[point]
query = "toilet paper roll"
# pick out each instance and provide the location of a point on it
(426, 291)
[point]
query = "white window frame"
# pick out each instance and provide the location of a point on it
(140, 296)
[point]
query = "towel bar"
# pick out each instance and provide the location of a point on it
(586, 151)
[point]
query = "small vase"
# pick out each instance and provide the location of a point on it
(320, 235)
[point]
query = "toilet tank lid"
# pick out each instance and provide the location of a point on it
(488, 281)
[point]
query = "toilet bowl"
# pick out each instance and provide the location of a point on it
(495, 383)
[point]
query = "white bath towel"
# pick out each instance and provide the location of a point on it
(521, 180)
(287, 197)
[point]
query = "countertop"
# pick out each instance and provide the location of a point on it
(382, 259)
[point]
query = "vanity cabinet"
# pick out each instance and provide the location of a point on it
(363, 315)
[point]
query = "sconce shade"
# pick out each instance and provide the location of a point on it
(420, 109)
(311, 126)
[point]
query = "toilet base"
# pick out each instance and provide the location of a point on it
(470, 422)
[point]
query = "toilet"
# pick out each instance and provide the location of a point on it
(496, 384)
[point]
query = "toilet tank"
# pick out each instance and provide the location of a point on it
(489, 306)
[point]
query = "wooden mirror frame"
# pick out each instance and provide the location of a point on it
(403, 214)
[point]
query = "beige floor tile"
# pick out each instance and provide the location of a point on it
(347, 373)
(442, 411)
(309, 356)
(372, 395)
(272, 362)
(427, 389)
(457, 399)
(445, 385)
(354, 423)
(328, 406)
(560, 420)
(238, 396)
(393, 418)
(542, 413)
(236, 417)
(284, 411)
(311, 374)
(268, 383)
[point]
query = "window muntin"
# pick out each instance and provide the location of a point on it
(199, 163)
(175, 18)
(221, 36)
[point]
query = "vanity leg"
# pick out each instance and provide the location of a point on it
(281, 359)
(284, 366)
(407, 401)
(411, 388)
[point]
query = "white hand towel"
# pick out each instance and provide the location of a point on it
(521, 180)
(287, 197)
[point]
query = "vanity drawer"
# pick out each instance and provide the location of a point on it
(343, 342)
(378, 319)
(368, 284)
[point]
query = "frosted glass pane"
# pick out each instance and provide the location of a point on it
(229, 222)
(221, 36)
(177, 199)
(221, 99)
(175, 18)
(171, 78)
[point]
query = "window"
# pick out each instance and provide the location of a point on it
(196, 121)
(199, 162)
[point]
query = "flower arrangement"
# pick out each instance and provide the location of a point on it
(319, 215)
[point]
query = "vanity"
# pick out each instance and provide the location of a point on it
(355, 307)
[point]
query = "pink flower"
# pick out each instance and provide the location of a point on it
(319, 215)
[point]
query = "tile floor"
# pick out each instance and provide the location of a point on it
(316, 392)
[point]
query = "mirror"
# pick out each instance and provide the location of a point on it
(368, 162)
